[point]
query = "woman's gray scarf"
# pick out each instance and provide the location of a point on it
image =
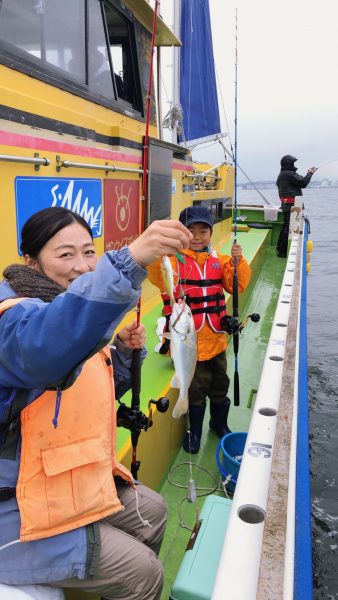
(28, 283)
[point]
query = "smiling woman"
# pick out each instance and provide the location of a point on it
(58, 244)
(79, 512)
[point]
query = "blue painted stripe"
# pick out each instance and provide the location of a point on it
(303, 540)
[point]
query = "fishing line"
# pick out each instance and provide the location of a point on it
(327, 163)
(219, 486)
(191, 465)
(191, 488)
(231, 155)
(235, 152)
(225, 115)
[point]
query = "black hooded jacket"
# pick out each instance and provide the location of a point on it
(289, 183)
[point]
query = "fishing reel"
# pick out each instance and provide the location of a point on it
(232, 325)
(134, 419)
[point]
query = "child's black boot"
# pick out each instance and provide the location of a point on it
(192, 440)
(218, 423)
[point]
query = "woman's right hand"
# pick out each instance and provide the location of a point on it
(160, 238)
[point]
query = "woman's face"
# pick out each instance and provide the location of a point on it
(68, 254)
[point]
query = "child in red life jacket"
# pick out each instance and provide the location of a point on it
(204, 274)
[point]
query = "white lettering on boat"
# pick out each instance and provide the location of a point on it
(260, 450)
(78, 205)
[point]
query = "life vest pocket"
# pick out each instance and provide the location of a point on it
(73, 474)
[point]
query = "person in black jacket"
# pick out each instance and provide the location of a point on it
(290, 185)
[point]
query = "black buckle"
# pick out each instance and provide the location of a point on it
(7, 493)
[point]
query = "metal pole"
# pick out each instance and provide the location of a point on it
(25, 159)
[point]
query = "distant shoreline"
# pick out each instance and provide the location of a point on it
(269, 185)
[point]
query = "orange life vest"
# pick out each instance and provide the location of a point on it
(66, 473)
(203, 291)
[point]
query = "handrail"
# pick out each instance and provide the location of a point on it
(44, 162)
(79, 165)
(199, 175)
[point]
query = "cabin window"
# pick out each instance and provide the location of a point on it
(38, 28)
(213, 211)
(119, 39)
(99, 68)
(87, 46)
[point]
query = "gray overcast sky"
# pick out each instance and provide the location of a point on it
(287, 82)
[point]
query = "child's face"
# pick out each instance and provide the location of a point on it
(201, 236)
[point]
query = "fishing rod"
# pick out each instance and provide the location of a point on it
(136, 362)
(132, 417)
(235, 336)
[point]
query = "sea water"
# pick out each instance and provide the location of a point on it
(322, 315)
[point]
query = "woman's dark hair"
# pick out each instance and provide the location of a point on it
(43, 225)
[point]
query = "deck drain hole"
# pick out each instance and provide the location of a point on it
(281, 324)
(288, 284)
(276, 358)
(249, 513)
(267, 412)
(291, 270)
(286, 302)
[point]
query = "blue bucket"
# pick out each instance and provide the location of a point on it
(230, 446)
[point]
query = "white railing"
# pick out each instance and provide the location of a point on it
(239, 566)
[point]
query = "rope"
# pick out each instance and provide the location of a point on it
(144, 522)
(174, 118)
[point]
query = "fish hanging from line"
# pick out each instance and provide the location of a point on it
(168, 278)
(183, 351)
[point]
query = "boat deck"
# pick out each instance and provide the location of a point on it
(251, 355)
(157, 370)
(261, 297)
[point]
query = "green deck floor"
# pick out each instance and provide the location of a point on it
(251, 356)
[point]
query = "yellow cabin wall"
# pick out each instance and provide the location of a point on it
(24, 93)
(31, 95)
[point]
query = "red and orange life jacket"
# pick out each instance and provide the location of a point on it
(203, 291)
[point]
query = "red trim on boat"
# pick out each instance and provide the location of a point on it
(28, 141)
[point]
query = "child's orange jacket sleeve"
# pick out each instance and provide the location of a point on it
(243, 273)
(155, 274)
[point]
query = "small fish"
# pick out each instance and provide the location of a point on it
(168, 278)
(183, 351)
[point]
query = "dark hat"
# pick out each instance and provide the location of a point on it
(196, 214)
(288, 159)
